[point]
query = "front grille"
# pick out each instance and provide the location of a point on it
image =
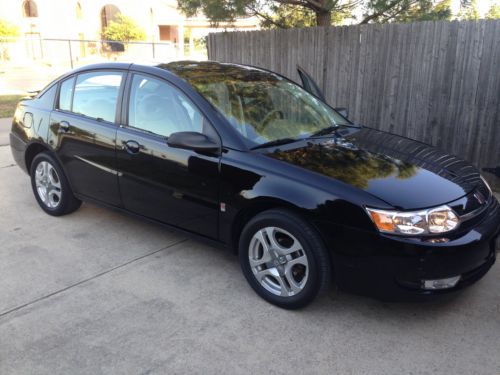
(484, 191)
(474, 203)
(490, 209)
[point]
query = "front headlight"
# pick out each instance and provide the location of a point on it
(431, 221)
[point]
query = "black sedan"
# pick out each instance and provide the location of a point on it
(246, 158)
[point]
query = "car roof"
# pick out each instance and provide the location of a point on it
(113, 65)
(180, 68)
(188, 69)
(207, 66)
(194, 70)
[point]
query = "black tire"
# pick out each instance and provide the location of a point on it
(66, 203)
(318, 266)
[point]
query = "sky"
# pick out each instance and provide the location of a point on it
(482, 5)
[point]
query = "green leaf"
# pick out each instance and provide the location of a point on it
(124, 29)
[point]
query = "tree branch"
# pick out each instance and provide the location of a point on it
(393, 15)
(317, 5)
(381, 12)
(266, 17)
(304, 4)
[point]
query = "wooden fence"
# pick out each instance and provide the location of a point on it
(438, 82)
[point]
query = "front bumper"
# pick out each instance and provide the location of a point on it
(393, 268)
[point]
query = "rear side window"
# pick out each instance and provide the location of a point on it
(46, 100)
(96, 95)
(65, 94)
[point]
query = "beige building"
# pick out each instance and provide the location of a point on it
(41, 21)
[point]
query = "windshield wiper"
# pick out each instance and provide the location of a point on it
(325, 131)
(332, 129)
(277, 142)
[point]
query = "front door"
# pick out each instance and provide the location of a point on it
(176, 186)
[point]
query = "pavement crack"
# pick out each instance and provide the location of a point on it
(89, 279)
(7, 166)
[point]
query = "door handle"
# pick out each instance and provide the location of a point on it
(63, 127)
(132, 147)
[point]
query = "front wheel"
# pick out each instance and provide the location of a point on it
(50, 186)
(284, 259)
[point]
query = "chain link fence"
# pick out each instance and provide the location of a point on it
(31, 62)
(76, 52)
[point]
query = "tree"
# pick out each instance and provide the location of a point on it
(288, 16)
(321, 11)
(123, 29)
(7, 32)
(305, 13)
(494, 12)
(278, 15)
(382, 11)
(425, 10)
(468, 10)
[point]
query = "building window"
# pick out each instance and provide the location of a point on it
(30, 9)
(168, 33)
(108, 13)
(79, 14)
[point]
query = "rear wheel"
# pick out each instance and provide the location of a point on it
(284, 259)
(51, 187)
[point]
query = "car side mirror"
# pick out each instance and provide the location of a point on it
(193, 141)
(343, 111)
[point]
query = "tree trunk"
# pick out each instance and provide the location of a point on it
(323, 18)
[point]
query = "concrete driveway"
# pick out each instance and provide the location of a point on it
(4, 131)
(99, 292)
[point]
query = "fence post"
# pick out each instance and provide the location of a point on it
(70, 53)
(41, 45)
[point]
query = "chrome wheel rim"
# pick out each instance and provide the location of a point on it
(48, 184)
(278, 261)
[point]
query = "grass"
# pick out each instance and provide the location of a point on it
(8, 105)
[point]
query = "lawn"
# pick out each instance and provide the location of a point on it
(8, 105)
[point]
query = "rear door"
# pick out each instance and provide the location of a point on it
(176, 186)
(83, 131)
(309, 84)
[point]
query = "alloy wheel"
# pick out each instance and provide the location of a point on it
(48, 184)
(278, 261)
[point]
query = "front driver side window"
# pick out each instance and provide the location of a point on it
(158, 107)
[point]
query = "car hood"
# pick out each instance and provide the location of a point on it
(404, 173)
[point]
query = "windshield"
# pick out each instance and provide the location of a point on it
(261, 106)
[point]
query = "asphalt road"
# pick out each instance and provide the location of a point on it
(99, 292)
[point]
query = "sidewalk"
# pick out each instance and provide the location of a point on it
(4, 131)
(17, 80)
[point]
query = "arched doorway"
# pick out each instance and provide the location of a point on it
(109, 13)
(33, 40)
(30, 10)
